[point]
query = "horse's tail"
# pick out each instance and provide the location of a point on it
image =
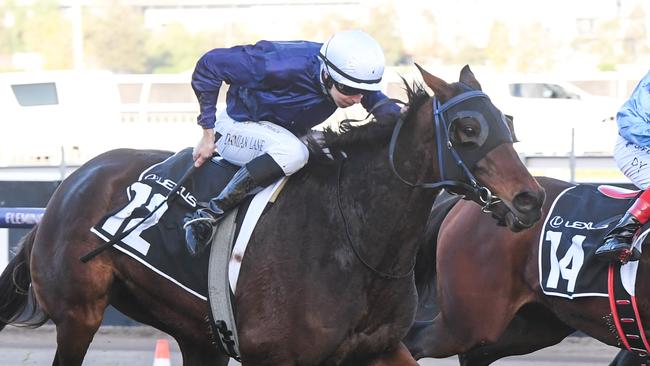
(16, 293)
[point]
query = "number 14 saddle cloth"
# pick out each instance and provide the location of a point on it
(578, 221)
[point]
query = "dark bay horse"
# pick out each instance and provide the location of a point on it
(328, 276)
(485, 294)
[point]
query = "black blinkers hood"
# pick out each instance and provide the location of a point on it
(456, 159)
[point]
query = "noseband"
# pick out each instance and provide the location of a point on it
(469, 185)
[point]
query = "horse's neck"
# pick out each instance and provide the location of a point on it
(385, 215)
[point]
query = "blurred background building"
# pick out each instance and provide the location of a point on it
(82, 76)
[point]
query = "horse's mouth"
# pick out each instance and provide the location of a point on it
(516, 223)
(513, 219)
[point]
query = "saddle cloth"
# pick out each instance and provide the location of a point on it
(578, 221)
(159, 242)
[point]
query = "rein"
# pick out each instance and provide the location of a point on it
(478, 192)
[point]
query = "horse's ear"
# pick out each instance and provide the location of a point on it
(510, 121)
(467, 77)
(440, 87)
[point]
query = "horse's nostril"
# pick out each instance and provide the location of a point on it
(527, 201)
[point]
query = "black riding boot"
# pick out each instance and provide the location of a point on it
(618, 243)
(255, 175)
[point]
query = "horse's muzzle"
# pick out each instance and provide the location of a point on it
(526, 210)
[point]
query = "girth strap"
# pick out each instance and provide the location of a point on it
(625, 314)
(219, 295)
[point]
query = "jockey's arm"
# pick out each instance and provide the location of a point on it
(234, 66)
(388, 110)
(633, 118)
(205, 148)
(231, 65)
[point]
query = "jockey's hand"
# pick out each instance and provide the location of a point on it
(204, 149)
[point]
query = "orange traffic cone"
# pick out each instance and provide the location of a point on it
(161, 357)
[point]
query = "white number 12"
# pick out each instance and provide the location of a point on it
(142, 193)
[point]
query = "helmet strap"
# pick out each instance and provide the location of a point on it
(328, 82)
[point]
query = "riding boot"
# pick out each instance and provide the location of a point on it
(618, 242)
(257, 174)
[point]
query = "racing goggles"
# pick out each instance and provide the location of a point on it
(348, 90)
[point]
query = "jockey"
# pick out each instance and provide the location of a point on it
(632, 155)
(278, 92)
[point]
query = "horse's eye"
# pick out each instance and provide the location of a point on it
(467, 132)
(470, 131)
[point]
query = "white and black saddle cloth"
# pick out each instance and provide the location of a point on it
(159, 242)
(575, 227)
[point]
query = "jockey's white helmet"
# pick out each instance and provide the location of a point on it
(355, 59)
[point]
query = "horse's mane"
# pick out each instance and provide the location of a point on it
(377, 131)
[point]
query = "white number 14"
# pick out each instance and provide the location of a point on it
(560, 267)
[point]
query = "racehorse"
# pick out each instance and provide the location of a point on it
(481, 288)
(327, 278)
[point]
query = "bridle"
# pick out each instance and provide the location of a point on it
(470, 187)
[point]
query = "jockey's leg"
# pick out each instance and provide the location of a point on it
(265, 152)
(618, 243)
(633, 160)
(199, 228)
(259, 173)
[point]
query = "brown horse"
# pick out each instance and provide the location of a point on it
(328, 275)
(485, 294)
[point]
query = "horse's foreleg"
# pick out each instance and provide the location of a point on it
(459, 329)
(427, 339)
(398, 357)
(201, 355)
(529, 331)
(477, 294)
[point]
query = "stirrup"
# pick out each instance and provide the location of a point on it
(629, 255)
(208, 220)
(622, 255)
(202, 215)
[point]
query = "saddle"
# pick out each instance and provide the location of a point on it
(618, 192)
(158, 242)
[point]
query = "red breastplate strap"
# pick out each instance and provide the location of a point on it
(626, 314)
